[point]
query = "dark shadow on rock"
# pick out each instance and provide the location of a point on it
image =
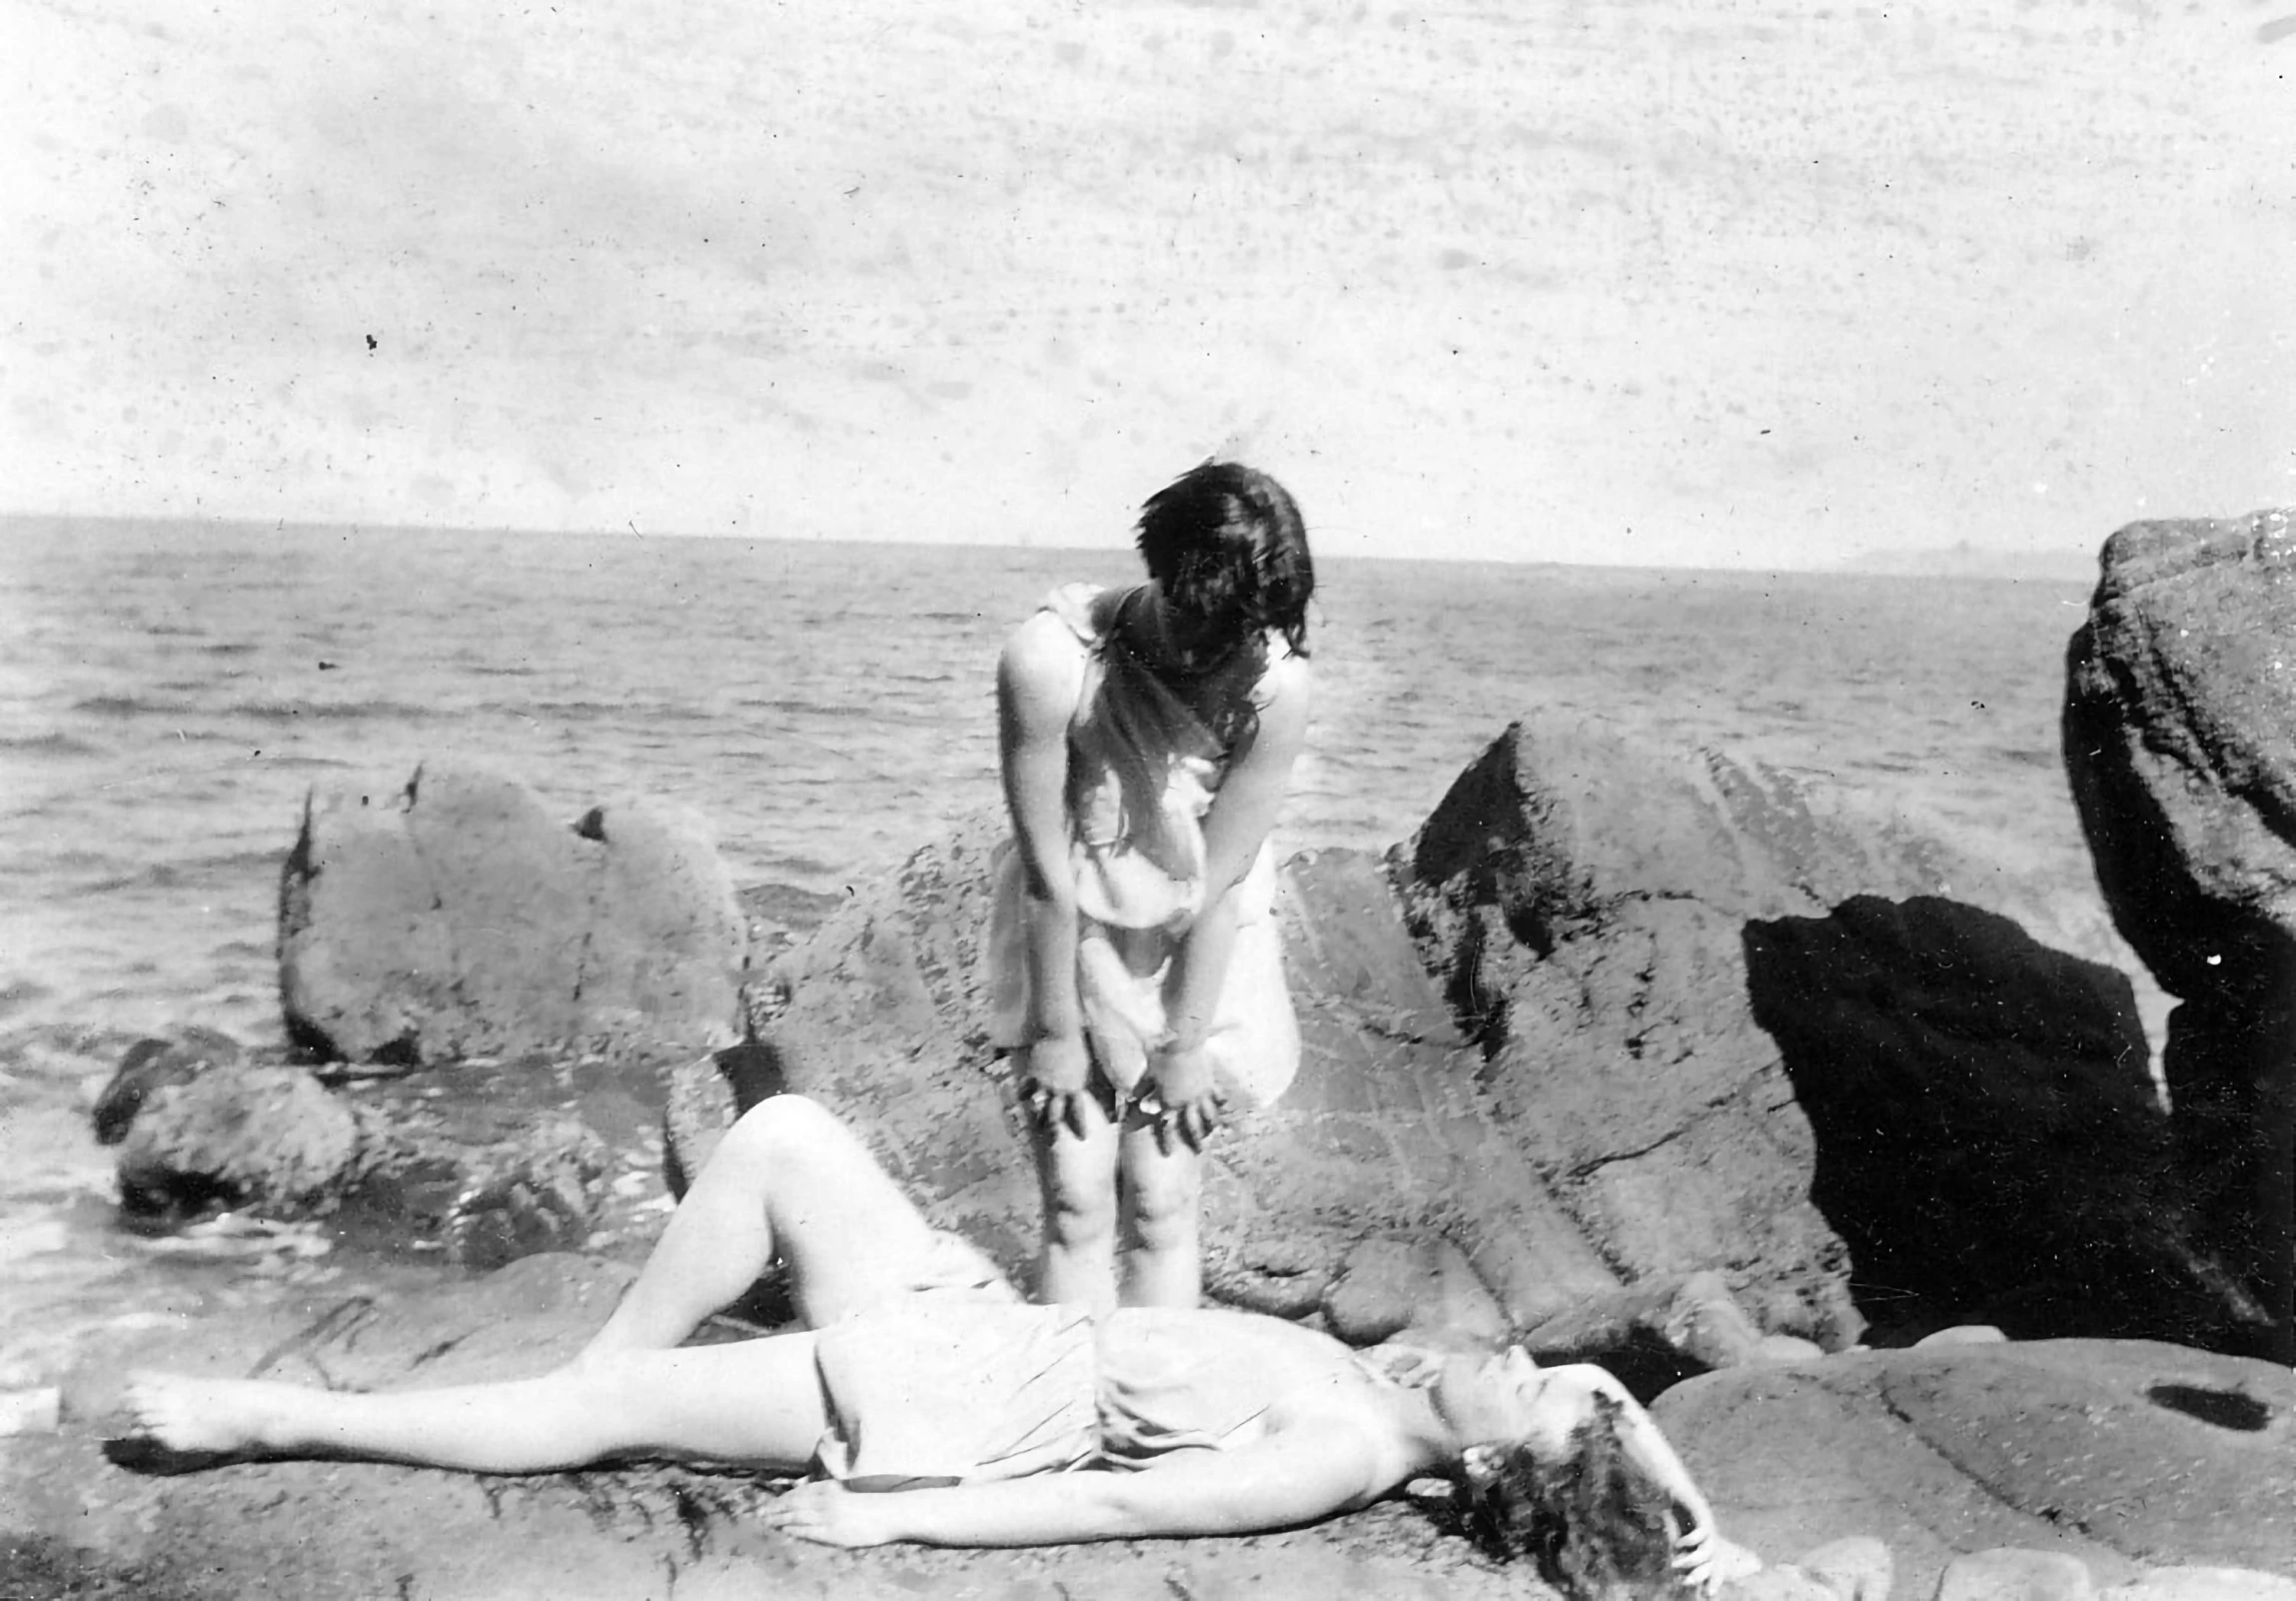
(1989, 1144)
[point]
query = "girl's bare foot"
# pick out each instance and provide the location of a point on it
(178, 1424)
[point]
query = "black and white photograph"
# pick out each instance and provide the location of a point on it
(1190, 798)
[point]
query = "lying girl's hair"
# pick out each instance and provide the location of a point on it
(1229, 546)
(1598, 1525)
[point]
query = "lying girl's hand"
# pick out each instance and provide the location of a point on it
(828, 1513)
(1695, 1550)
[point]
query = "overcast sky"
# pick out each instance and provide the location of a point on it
(1718, 284)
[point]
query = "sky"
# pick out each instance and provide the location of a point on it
(1722, 285)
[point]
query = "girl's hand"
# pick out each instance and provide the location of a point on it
(1695, 1550)
(830, 1514)
(1054, 1074)
(1181, 1097)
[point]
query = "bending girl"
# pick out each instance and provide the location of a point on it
(1146, 736)
(991, 1421)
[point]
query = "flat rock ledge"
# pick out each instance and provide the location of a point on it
(2116, 1457)
(2119, 1463)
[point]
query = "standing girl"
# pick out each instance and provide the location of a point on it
(1146, 736)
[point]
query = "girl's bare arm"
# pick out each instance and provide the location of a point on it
(1039, 675)
(1234, 831)
(1696, 1543)
(1293, 1476)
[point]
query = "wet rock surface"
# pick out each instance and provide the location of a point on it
(456, 918)
(474, 1167)
(2180, 740)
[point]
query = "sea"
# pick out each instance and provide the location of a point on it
(169, 693)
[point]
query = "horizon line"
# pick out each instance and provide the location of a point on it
(1979, 557)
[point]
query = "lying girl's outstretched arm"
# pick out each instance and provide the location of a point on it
(1697, 1547)
(1296, 1475)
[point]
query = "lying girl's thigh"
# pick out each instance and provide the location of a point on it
(757, 1402)
(851, 1237)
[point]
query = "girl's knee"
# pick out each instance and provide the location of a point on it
(1080, 1218)
(784, 1118)
(1163, 1213)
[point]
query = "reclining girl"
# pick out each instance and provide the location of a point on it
(992, 1421)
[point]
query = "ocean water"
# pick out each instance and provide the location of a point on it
(169, 693)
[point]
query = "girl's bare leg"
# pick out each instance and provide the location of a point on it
(789, 1182)
(756, 1401)
(1162, 1191)
(1078, 1180)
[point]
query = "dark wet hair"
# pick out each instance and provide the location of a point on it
(1597, 1524)
(1228, 545)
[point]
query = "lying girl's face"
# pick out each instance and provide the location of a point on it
(1510, 1397)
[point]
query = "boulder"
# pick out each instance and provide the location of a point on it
(1391, 1284)
(458, 920)
(150, 1065)
(2180, 740)
(238, 1134)
(2123, 1455)
(1738, 1021)
(1386, 1132)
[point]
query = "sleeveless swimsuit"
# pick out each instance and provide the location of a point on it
(1143, 771)
(941, 1391)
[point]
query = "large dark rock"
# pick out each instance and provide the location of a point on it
(2180, 739)
(1738, 1021)
(2124, 1454)
(457, 918)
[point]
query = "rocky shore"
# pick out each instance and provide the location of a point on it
(1835, 1139)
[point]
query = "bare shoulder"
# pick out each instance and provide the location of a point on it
(1041, 665)
(1288, 678)
(1279, 698)
(1347, 1427)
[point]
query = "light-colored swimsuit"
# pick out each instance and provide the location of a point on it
(942, 1389)
(1142, 773)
